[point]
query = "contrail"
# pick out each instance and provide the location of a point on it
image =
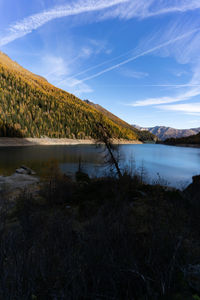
(138, 56)
(96, 66)
(35, 21)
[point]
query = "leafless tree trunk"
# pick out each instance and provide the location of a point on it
(104, 136)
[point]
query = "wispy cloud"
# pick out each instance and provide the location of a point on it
(189, 108)
(163, 100)
(196, 122)
(54, 68)
(77, 89)
(35, 21)
(184, 51)
(146, 52)
(125, 9)
(150, 8)
(98, 65)
(133, 74)
(179, 73)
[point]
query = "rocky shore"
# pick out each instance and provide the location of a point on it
(17, 142)
(12, 186)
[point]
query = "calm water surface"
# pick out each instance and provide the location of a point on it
(174, 165)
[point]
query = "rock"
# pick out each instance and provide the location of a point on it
(18, 180)
(12, 186)
(25, 170)
(21, 171)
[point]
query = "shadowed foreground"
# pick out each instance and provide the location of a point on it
(100, 239)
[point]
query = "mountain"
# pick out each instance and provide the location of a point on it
(32, 107)
(144, 135)
(190, 140)
(164, 133)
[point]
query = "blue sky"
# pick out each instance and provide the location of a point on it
(140, 59)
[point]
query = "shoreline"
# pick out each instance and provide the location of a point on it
(183, 145)
(188, 145)
(18, 142)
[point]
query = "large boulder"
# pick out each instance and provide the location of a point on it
(25, 170)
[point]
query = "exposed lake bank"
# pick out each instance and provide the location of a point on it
(17, 142)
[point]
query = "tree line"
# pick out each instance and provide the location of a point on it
(35, 108)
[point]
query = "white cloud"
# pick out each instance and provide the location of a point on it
(189, 108)
(54, 68)
(100, 46)
(195, 122)
(94, 47)
(150, 8)
(86, 52)
(179, 73)
(184, 51)
(133, 74)
(73, 87)
(35, 21)
(163, 100)
(125, 9)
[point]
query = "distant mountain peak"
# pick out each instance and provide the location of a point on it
(164, 132)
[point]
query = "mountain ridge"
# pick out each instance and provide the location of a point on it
(164, 132)
(143, 134)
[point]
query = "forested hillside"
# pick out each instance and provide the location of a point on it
(190, 140)
(32, 107)
(143, 135)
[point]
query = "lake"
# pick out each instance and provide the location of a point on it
(170, 165)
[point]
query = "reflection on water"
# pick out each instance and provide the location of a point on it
(174, 164)
(38, 158)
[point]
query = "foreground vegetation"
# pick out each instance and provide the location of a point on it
(103, 238)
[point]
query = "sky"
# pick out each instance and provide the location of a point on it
(140, 59)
